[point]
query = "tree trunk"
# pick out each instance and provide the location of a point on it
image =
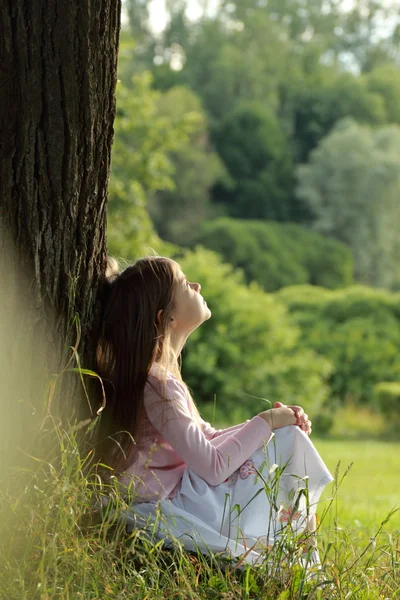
(57, 98)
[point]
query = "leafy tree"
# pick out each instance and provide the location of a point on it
(351, 38)
(208, 36)
(175, 37)
(177, 213)
(385, 81)
(142, 164)
(248, 351)
(279, 254)
(352, 185)
(254, 151)
(317, 108)
(360, 33)
(301, 19)
(227, 62)
(270, 58)
(143, 43)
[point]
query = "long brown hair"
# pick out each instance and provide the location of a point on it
(132, 338)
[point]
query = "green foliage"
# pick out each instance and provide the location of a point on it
(316, 108)
(274, 78)
(387, 399)
(352, 186)
(296, 17)
(254, 150)
(357, 329)
(359, 421)
(177, 212)
(141, 163)
(271, 84)
(141, 35)
(386, 82)
(228, 64)
(360, 34)
(348, 35)
(279, 254)
(248, 348)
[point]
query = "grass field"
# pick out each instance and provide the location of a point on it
(53, 548)
(371, 488)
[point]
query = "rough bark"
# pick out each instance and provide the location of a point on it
(57, 84)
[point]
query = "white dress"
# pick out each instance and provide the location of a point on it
(275, 490)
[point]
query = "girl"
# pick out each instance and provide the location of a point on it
(232, 490)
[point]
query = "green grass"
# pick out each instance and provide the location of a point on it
(371, 489)
(53, 545)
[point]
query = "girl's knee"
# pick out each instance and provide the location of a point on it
(288, 432)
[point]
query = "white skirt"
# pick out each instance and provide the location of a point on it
(277, 489)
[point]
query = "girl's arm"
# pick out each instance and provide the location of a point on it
(181, 430)
(212, 433)
(215, 434)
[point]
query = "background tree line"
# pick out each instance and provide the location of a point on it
(271, 111)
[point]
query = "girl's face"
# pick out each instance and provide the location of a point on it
(190, 309)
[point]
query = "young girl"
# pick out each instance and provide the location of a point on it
(232, 490)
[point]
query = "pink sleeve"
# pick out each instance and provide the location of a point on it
(212, 433)
(180, 429)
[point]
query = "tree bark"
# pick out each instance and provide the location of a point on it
(57, 98)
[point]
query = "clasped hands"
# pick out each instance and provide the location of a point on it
(282, 415)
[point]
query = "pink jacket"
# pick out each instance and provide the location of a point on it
(173, 438)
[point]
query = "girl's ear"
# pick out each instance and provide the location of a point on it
(172, 320)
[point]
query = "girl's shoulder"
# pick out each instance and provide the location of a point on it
(165, 385)
(161, 397)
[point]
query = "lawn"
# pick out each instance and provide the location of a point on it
(53, 548)
(370, 490)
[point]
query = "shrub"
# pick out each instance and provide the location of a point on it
(357, 329)
(356, 421)
(279, 254)
(387, 399)
(249, 349)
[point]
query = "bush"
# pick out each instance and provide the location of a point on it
(277, 255)
(387, 399)
(356, 421)
(249, 350)
(357, 329)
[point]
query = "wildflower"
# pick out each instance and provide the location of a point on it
(286, 516)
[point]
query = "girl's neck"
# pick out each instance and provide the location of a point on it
(177, 341)
(168, 363)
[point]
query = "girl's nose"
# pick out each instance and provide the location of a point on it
(196, 287)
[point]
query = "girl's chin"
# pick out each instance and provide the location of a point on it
(206, 315)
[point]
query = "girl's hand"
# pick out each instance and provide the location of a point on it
(279, 417)
(302, 419)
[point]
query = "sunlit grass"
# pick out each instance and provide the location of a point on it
(54, 543)
(371, 488)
